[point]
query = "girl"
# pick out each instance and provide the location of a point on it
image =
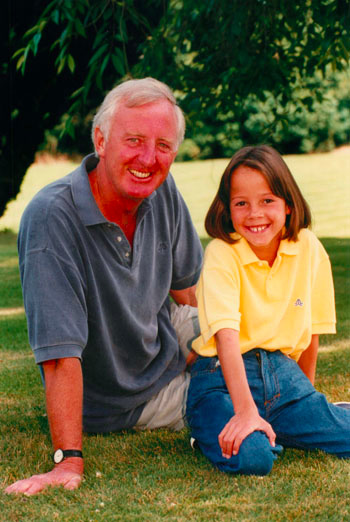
(264, 296)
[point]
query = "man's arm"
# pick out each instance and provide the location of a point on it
(187, 296)
(64, 400)
(308, 359)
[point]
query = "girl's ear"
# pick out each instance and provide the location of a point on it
(288, 210)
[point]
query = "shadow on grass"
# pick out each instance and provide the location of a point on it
(7, 237)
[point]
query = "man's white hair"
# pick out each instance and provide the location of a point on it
(134, 93)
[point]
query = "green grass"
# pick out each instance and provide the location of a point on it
(155, 475)
(146, 476)
(11, 294)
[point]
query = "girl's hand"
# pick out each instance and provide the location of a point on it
(238, 428)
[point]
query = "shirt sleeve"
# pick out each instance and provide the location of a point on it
(186, 247)
(53, 290)
(55, 307)
(218, 295)
(323, 302)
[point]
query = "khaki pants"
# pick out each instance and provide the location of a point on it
(167, 409)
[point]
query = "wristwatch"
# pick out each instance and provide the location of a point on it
(60, 455)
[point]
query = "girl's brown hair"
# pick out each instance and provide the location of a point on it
(270, 164)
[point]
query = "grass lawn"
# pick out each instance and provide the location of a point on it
(155, 475)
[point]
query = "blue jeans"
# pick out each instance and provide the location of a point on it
(300, 416)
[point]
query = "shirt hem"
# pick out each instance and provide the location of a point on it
(327, 328)
(58, 351)
(207, 336)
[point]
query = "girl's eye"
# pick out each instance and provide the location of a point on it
(268, 200)
(240, 204)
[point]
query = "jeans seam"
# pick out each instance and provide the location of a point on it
(270, 403)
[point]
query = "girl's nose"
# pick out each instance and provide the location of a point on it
(255, 211)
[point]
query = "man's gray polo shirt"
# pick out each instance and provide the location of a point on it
(87, 294)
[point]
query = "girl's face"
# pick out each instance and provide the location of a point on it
(257, 214)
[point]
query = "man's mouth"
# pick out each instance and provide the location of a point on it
(140, 175)
(258, 229)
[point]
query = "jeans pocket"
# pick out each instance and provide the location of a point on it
(206, 377)
(204, 365)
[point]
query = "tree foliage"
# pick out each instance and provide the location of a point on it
(97, 41)
(216, 54)
(54, 63)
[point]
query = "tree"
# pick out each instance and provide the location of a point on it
(59, 58)
(215, 54)
(219, 53)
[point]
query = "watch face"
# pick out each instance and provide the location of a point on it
(58, 456)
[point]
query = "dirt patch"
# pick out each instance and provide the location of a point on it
(344, 149)
(46, 157)
(12, 311)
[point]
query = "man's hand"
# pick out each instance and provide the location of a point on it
(66, 474)
(64, 397)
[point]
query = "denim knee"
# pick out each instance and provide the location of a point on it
(255, 457)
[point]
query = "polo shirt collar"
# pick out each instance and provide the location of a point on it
(247, 256)
(289, 248)
(84, 201)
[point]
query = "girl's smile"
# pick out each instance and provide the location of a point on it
(257, 214)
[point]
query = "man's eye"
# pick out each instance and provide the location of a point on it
(164, 146)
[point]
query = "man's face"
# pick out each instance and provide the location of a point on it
(136, 157)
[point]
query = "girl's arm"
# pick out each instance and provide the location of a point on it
(308, 359)
(246, 418)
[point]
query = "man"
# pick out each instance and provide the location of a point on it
(99, 251)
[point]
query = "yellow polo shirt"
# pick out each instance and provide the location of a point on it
(274, 308)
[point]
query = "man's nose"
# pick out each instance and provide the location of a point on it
(148, 154)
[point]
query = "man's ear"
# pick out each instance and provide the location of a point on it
(100, 142)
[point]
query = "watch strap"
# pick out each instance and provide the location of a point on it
(60, 454)
(72, 453)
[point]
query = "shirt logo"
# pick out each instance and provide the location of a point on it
(162, 247)
(298, 302)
